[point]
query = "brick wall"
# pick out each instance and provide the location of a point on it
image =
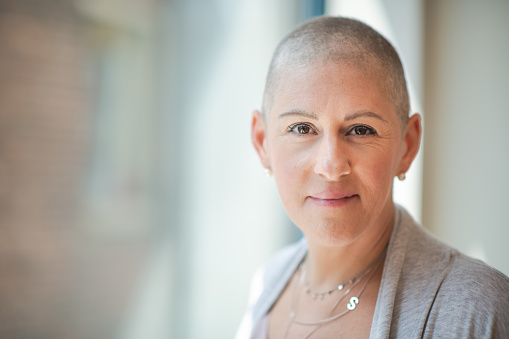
(53, 284)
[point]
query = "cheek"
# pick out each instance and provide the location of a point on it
(291, 167)
(290, 158)
(381, 170)
(377, 173)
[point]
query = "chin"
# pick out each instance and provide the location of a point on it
(332, 233)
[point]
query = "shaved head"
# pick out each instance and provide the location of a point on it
(339, 40)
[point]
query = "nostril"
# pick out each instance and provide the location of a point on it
(332, 163)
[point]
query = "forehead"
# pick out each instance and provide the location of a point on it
(332, 87)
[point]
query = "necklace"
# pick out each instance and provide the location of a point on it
(367, 272)
(350, 306)
(314, 294)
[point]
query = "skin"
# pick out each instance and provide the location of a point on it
(334, 143)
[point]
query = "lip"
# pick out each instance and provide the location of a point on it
(332, 198)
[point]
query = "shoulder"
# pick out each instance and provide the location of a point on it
(268, 283)
(472, 300)
(273, 270)
(272, 277)
(467, 298)
(460, 272)
(471, 273)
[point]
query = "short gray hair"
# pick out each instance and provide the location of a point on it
(338, 39)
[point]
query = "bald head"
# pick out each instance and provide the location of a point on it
(339, 40)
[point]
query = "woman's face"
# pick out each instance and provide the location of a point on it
(334, 143)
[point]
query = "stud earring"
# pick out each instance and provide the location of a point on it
(268, 172)
(401, 176)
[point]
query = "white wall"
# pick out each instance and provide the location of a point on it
(466, 158)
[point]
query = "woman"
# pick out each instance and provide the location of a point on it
(335, 130)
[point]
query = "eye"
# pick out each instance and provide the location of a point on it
(361, 130)
(300, 129)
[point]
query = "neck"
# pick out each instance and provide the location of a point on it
(328, 266)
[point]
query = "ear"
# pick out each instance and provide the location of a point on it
(258, 137)
(412, 143)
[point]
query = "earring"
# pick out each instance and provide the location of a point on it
(268, 172)
(401, 176)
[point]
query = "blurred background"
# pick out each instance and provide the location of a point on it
(131, 202)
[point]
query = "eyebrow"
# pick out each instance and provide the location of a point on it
(365, 114)
(301, 113)
(298, 112)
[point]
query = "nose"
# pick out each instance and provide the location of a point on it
(332, 161)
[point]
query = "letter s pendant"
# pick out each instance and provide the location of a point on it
(353, 303)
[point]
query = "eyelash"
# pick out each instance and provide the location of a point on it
(292, 129)
(367, 130)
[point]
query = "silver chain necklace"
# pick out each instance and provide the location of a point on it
(367, 272)
(320, 295)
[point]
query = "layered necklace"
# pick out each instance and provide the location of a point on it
(344, 288)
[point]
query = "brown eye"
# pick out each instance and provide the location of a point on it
(362, 130)
(303, 129)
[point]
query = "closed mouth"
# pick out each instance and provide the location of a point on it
(332, 200)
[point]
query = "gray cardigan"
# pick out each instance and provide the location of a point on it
(428, 289)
